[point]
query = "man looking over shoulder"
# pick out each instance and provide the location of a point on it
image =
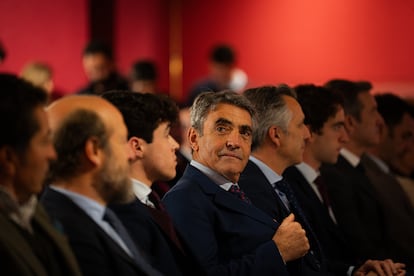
(224, 231)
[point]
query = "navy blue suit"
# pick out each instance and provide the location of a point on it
(328, 233)
(96, 252)
(258, 189)
(226, 235)
(356, 209)
(154, 237)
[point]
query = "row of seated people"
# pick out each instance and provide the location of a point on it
(240, 208)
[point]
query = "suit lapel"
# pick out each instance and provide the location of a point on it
(309, 192)
(227, 200)
(257, 187)
(19, 244)
(66, 203)
(59, 240)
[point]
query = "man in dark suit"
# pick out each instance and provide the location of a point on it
(324, 116)
(148, 118)
(278, 142)
(91, 171)
(226, 234)
(381, 162)
(29, 243)
(358, 209)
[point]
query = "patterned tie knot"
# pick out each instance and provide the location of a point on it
(282, 186)
(235, 189)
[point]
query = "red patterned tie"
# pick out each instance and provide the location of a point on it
(235, 189)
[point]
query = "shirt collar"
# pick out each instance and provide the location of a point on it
(21, 214)
(307, 171)
(270, 174)
(381, 164)
(350, 157)
(94, 209)
(141, 190)
(220, 180)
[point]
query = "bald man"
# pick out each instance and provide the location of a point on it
(91, 171)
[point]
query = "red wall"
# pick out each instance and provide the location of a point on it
(303, 41)
(51, 31)
(141, 31)
(291, 41)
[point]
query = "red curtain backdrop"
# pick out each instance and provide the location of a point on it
(51, 31)
(296, 41)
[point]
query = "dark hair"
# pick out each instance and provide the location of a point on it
(143, 113)
(70, 138)
(98, 47)
(223, 54)
(318, 104)
(392, 108)
(18, 101)
(144, 70)
(271, 109)
(350, 91)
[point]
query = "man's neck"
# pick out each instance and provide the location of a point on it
(355, 148)
(310, 159)
(272, 160)
(137, 172)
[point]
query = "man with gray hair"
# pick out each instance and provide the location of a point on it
(278, 142)
(224, 231)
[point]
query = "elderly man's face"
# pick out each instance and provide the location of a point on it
(225, 143)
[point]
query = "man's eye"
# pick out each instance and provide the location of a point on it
(246, 134)
(221, 129)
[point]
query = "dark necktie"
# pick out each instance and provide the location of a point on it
(360, 167)
(119, 228)
(235, 190)
(284, 187)
(323, 191)
(155, 199)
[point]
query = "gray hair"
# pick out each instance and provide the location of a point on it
(271, 109)
(208, 101)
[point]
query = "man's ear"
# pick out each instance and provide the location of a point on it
(312, 134)
(137, 145)
(8, 160)
(93, 151)
(275, 134)
(193, 138)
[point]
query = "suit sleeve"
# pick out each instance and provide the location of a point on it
(197, 222)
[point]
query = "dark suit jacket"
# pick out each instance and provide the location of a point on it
(398, 212)
(330, 236)
(258, 189)
(96, 252)
(226, 235)
(153, 237)
(16, 255)
(356, 209)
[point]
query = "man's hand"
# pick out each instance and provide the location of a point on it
(380, 268)
(291, 239)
